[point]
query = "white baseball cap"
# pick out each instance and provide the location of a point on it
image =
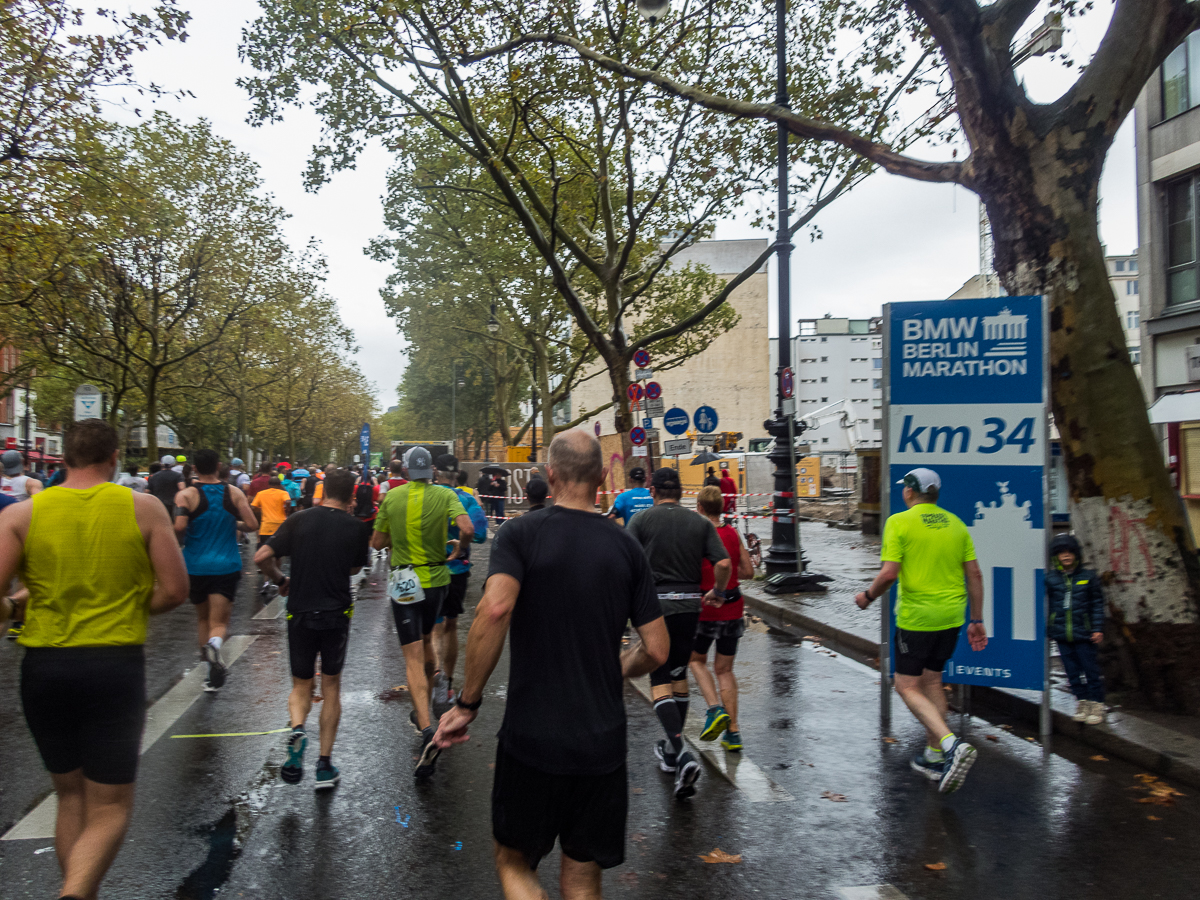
(921, 480)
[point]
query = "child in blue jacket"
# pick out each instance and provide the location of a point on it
(1075, 600)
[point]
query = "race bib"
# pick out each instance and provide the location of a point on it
(404, 586)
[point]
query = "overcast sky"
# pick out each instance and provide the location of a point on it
(890, 239)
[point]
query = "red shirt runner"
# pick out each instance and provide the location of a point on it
(730, 611)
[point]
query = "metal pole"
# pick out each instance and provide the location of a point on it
(533, 439)
(795, 493)
(454, 406)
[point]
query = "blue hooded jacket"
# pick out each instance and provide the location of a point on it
(1074, 599)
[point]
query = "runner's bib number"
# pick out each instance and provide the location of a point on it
(404, 586)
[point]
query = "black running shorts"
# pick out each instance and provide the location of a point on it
(452, 608)
(725, 633)
(681, 628)
(586, 813)
(310, 634)
(415, 620)
(201, 587)
(86, 707)
(921, 651)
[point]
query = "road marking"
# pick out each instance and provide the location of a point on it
(871, 892)
(272, 610)
(39, 822)
(233, 733)
(736, 768)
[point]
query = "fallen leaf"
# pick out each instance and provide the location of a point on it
(637, 791)
(992, 737)
(1031, 740)
(1006, 727)
(936, 867)
(400, 687)
(720, 856)
(889, 740)
(1146, 778)
(811, 637)
(836, 798)
(1098, 758)
(637, 838)
(1154, 818)
(1160, 794)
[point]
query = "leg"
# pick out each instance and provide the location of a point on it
(107, 810)
(300, 701)
(708, 687)
(1072, 665)
(69, 824)
(202, 613)
(517, 880)
(418, 671)
(219, 608)
(579, 880)
(930, 712)
(331, 710)
(446, 641)
(729, 689)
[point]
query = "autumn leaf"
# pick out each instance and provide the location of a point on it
(992, 737)
(1154, 818)
(836, 798)
(1098, 758)
(889, 740)
(936, 867)
(720, 856)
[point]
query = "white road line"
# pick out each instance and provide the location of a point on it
(736, 768)
(871, 892)
(272, 610)
(39, 822)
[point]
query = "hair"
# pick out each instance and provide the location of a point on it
(274, 481)
(132, 469)
(930, 495)
(710, 501)
(396, 466)
(206, 462)
(266, 469)
(575, 458)
(537, 491)
(91, 442)
(664, 493)
(462, 477)
(339, 485)
(187, 472)
(330, 469)
(155, 468)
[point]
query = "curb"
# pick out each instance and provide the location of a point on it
(866, 652)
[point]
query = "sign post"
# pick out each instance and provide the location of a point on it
(88, 402)
(364, 441)
(965, 392)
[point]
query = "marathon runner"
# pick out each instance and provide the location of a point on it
(931, 552)
(166, 483)
(15, 482)
(132, 480)
(91, 557)
(271, 509)
(237, 474)
(327, 546)
(209, 516)
(568, 582)
(396, 477)
(414, 522)
(676, 541)
(259, 482)
(634, 500)
(445, 629)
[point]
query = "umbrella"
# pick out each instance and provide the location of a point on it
(495, 470)
(705, 457)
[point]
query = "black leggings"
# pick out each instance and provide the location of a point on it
(681, 628)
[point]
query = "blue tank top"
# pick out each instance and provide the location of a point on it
(212, 544)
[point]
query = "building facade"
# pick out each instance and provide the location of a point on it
(839, 365)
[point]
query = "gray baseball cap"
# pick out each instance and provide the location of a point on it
(419, 463)
(921, 480)
(13, 462)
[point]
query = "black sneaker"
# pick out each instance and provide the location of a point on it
(429, 754)
(216, 668)
(686, 777)
(412, 720)
(292, 769)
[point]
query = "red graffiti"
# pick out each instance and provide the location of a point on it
(616, 463)
(1123, 532)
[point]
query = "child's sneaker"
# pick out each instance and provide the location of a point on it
(1082, 708)
(1096, 712)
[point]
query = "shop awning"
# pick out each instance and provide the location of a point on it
(1183, 407)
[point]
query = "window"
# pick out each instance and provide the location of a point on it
(824, 359)
(824, 339)
(858, 381)
(1133, 265)
(1131, 286)
(824, 379)
(811, 360)
(824, 399)
(877, 363)
(860, 400)
(858, 359)
(1135, 355)
(1119, 265)
(824, 440)
(1132, 319)
(877, 425)
(1181, 78)
(1181, 242)
(808, 381)
(876, 344)
(877, 383)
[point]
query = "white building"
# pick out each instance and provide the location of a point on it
(1123, 276)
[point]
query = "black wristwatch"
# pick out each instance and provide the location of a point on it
(281, 582)
(469, 707)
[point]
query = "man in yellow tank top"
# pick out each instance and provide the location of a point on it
(98, 560)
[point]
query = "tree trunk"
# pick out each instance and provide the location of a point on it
(1125, 511)
(152, 417)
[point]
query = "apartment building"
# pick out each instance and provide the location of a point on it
(839, 364)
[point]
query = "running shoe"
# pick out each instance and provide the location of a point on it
(666, 761)
(216, 668)
(292, 769)
(685, 778)
(959, 760)
(412, 720)
(732, 741)
(429, 754)
(441, 689)
(327, 777)
(715, 722)
(15, 629)
(931, 770)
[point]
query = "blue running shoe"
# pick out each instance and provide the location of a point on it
(931, 770)
(715, 722)
(293, 767)
(959, 760)
(327, 777)
(732, 741)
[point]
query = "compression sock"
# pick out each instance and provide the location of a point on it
(934, 754)
(216, 642)
(681, 700)
(948, 742)
(324, 763)
(667, 711)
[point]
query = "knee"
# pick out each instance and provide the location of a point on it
(724, 665)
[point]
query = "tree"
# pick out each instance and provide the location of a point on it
(1036, 167)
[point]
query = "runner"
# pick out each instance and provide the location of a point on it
(536, 494)
(414, 522)
(15, 482)
(629, 503)
(327, 546)
(91, 556)
(560, 769)
(165, 484)
(271, 509)
(260, 481)
(445, 629)
(210, 514)
(178, 465)
(237, 474)
(723, 625)
(132, 480)
(930, 550)
(395, 479)
(676, 541)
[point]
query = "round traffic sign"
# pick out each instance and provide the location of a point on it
(787, 383)
(705, 419)
(641, 359)
(637, 435)
(634, 392)
(676, 420)
(597, 429)
(654, 390)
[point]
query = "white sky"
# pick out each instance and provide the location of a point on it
(890, 239)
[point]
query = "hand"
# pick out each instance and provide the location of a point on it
(977, 635)
(452, 728)
(285, 587)
(712, 598)
(1097, 637)
(457, 550)
(863, 600)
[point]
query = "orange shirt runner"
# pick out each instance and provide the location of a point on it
(274, 503)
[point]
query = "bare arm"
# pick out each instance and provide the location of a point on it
(14, 526)
(242, 505)
(648, 654)
(33, 486)
(745, 567)
(888, 573)
(268, 564)
(466, 531)
(162, 545)
(976, 631)
(185, 499)
(380, 540)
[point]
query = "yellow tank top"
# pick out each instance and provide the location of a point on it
(87, 570)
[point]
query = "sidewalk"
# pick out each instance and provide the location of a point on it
(1159, 742)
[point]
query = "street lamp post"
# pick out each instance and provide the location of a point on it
(493, 326)
(454, 386)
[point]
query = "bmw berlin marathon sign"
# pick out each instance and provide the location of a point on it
(966, 393)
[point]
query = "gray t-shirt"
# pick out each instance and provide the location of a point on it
(676, 541)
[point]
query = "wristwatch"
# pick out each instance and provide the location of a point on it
(975, 622)
(281, 581)
(469, 707)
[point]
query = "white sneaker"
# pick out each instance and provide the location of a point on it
(1096, 713)
(1082, 709)
(441, 689)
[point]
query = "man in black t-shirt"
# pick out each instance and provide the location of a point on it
(568, 582)
(165, 484)
(327, 545)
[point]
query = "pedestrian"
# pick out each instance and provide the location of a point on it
(15, 482)
(536, 494)
(209, 515)
(724, 626)
(327, 547)
(98, 561)
(132, 480)
(237, 474)
(166, 483)
(560, 770)
(729, 492)
(676, 542)
(499, 495)
(414, 521)
(1075, 597)
(634, 500)
(711, 478)
(930, 551)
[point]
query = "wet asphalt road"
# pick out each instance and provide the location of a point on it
(214, 820)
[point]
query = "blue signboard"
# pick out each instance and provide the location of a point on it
(647, 423)
(705, 419)
(676, 420)
(364, 440)
(967, 390)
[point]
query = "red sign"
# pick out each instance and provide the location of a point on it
(641, 359)
(10, 443)
(634, 391)
(654, 390)
(637, 436)
(787, 383)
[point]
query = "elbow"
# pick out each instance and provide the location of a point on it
(658, 655)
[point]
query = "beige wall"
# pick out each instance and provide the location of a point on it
(733, 374)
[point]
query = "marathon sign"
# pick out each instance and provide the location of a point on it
(965, 394)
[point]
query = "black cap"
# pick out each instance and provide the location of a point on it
(637, 473)
(447, 462)
(1067, 542)
(666, 478)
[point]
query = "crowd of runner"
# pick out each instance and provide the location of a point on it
(106, 550)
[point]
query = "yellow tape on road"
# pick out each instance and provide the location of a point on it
(233, 733)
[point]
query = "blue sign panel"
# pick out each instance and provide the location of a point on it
(676, 420)
(966, 381)
(364, 440)
(647, 423)
(705, 419)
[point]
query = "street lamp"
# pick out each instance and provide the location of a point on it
(493, 326)
(455, 384)
(653, 10)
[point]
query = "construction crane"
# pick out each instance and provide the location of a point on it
(843, 410)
